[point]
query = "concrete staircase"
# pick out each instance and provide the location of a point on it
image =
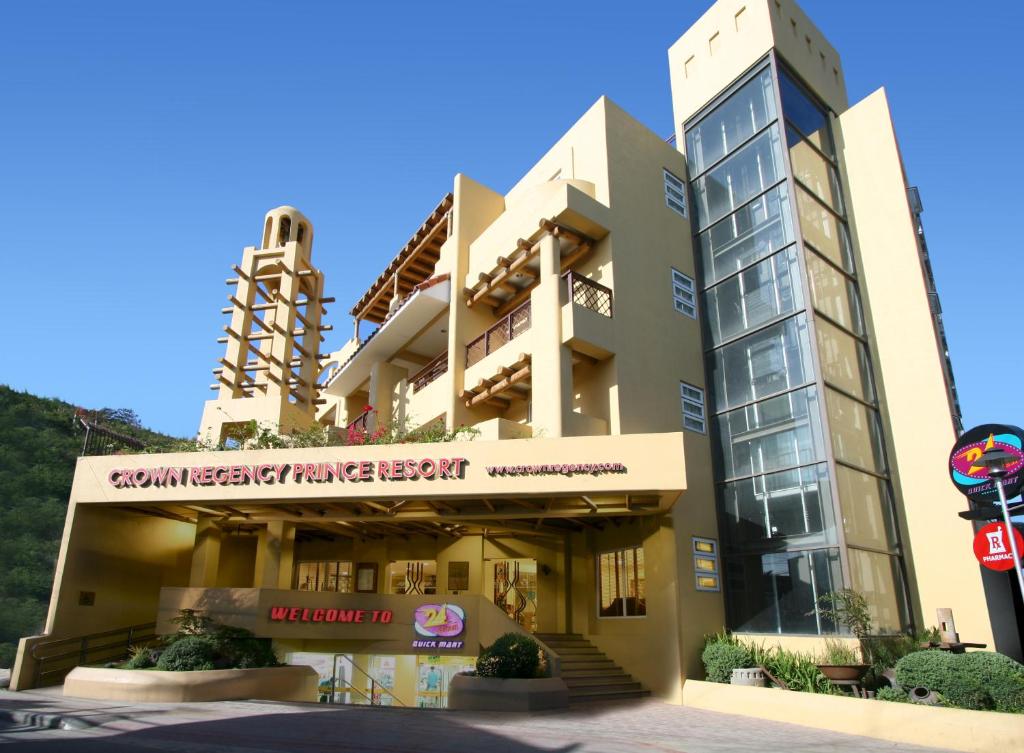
(590, 675)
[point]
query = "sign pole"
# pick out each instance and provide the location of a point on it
(1010, 534)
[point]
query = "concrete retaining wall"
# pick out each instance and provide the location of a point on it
(955, 729)
(266, 684)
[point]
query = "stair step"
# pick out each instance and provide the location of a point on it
(609, 695)
(571, 636)
(605, 664)
(583, 649)
(583, 685)
(595, 672)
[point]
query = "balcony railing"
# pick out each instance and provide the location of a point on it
(360, 421)
(589, 294)
(508, 329)
(429, 373)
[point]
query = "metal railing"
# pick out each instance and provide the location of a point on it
(589, 294)
(361, 420)
(429, 373)
(100, 440)
(377, 689)
(502, 333)
(54, 659)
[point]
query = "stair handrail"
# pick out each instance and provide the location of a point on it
(374, 682)
(83, 648)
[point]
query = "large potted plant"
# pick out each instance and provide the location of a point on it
(849, 609)
(512, 674)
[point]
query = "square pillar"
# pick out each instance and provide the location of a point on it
(275, 552)
(205, 553)
(551, 364)
(384, 381)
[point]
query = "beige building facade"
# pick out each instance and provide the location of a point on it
(646, 394)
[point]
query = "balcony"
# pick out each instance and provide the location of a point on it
(505, 331)
(429, 373)
(586, 315)
(588, 294)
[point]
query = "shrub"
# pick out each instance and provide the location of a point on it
(999, 675)
(721, 657)
(891, 694)
(142, 657)
(512, 655)
(188, 654)
(239, 648)
(799, 671)
(946, 674)
(837, 652)
(885, 651)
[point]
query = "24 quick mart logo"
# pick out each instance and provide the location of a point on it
(555, 469)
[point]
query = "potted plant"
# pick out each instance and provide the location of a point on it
(849, 609)
(841, 662)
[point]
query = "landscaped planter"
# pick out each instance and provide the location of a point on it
(949, 729)
(471, 693)
(298, 683)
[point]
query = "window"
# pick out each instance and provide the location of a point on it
(762, 292)
(684, 297)
(751, 170)
(705, 564)
(324, 576)
(731, 124)
(675, 194)
(776, 592)
(693, 407)
(620, 583)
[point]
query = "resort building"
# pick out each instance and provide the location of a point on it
(656, 389)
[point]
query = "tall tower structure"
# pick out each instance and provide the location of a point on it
(271, 362)
(831, 404)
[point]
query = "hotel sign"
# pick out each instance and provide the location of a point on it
(281, 473)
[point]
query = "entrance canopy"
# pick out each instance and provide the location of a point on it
(519, 486)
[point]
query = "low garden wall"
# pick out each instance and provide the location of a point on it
(288, 683)
(955, 729)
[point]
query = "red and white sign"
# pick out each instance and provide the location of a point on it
(992, 546)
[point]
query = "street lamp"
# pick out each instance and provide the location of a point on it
(996, 463)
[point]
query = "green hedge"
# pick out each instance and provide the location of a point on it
(978, 680)
(722, 657)
(512, 655)
(193, 652)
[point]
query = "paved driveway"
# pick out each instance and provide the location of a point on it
(237, 727)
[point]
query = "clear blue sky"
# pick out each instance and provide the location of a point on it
(141, 144)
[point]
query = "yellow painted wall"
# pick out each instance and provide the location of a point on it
(125, 559)
(919, 431)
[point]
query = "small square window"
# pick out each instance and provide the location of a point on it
(693, 407)
(684, 294)
(705, 564)
(675, 194)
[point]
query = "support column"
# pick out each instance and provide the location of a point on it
(206, 553)
(275, 551)
(551, 365)
(384, 379)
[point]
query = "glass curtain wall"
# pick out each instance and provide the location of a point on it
(779, 504)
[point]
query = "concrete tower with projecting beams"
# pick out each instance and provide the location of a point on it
(271, 362)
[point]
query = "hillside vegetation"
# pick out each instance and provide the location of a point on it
(40, 438)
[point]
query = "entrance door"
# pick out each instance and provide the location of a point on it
(512, 584)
